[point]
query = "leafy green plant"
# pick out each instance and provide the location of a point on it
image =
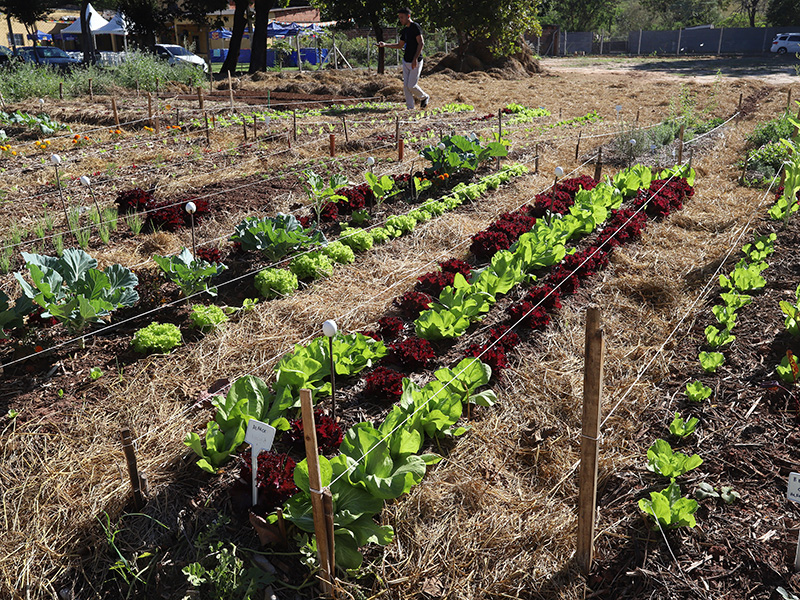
(380, 186)
(661, 459)
(669, 508)
(697, 392)
(207, 318)
(12, 317)
(680, 428)
(222, 574)
(717, 338)
(339, 253)
(320, 191)
(788, 370)
(135, 223)
(760, 248)
(275, 237)
(311, 265)
(792, 312)
(191, 274)
(95, 373)
(357, 239)
(156, 337)
(272, 283)
(711, 361)
(462, 152)
(745, 277)
(734, 301)
(74, 291)
(726, 316)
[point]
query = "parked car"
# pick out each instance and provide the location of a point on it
(6, 56)
(47, 55)
(786, 42)
(178, 55)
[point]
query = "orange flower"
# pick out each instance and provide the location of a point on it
(38, 348)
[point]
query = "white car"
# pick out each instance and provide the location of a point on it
(177, 55)
(786, 42)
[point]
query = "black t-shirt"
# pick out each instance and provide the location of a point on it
(409, 36)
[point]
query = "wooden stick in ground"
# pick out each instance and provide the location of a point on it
(598, 165)
(60, 90)
(400, 150)
(536, 160)
(315, 487)
(133, 471)
(114, 108)
(150, 108)
(587, 475)
(397, 131)
(332, 145)
(200, 97)
(578, 145)
(680, 145)
(294, 125)
(208, 134)
(344, 126)
(230, 88)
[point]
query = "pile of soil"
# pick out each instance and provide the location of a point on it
(476, 57)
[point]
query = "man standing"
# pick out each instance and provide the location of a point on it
(411, 41)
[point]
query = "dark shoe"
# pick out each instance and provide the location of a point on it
(424, 102)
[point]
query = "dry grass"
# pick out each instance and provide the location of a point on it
(496, 519)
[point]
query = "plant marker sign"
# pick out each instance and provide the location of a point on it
(260, 437)
(793, 494)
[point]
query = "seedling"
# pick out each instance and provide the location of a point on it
(792, 312)
(661, 459)
(726, 492)
(717, 338)
(669, 508)
(788, 370)
(697, 392)
(95, 373)
(711, 361)
(680, 428)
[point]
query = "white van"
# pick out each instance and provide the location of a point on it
(177, 55)
(786, 42)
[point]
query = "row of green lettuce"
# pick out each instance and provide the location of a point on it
(378, 463)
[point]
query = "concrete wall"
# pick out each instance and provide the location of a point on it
(736, 40)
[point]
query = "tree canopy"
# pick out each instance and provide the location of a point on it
(783, 12)
(27, 12)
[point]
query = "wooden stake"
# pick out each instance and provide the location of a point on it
(587, 477)
(321, 527)
(208, 134)
(60, 90)
(294, 125)
(789, 99)
(332, 144)
(200, 102)
(598, 165)
(133, 471)
(499, 132)
(637, 117)
(397, 131)
(344, 126)
(157, 88)
(739, 109)
(244, 131)
(150, 108)
(536, 160)
(114, 109)
(578, 145)
(91, 90)
(680, 145)
(230, 88)
(400, 149)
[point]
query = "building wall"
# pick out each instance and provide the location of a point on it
(57, 21)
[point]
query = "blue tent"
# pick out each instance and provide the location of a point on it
(221, 34)
(276, 29)
(40, 36)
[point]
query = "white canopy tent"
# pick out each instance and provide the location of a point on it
(96, 21)
(118, 25)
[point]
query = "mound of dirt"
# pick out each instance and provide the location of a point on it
(353, 84)
(476, 57)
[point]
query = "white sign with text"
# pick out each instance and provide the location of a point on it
(260, 437)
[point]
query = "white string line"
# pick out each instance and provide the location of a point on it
(710, 131)
(175, 302)
(436, 393)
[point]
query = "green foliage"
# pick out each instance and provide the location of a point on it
(12, 317)
(272, 283)
(191, 274)
(275, 237)
(400, 224)
(74, 291)
(669, 508)
(761, 247)
(42, 123)
(745, 277)
(157, 337)
(718, 337)
(661, 459)
(461, 152)
(726, 493)
(734, 301)
(380, 186)
(357, 239)
(697, 392)
(221, 574)
(792, 312)
(680, 428)
(380, 235)
(771, 131)
(767, 160)
(207, 318)
(95, 373)
(788, 370)
(320, 191)
(311, 265)
(339, 253)
(711, 361)
(726, 316)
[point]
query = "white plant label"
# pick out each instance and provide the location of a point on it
(793, 492)
(260, 437)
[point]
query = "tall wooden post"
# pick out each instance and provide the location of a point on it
(400, 149)
(114, 109)
(578, 145)
(680, 145)
(598, 165)
(230, 89)
(587, 476)
(294, 125)
(325, 546)
(332, 145)
(150, 108)
(344, 126)
(536, 160)
(200, 102)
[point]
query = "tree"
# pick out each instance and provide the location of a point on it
(373, 13)
(498, 26)
(258, 46)
(237, 32)
(783, 12)
(751, 8)
(578, 15)
(27, 12)
(146, 19)
(676, 14)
